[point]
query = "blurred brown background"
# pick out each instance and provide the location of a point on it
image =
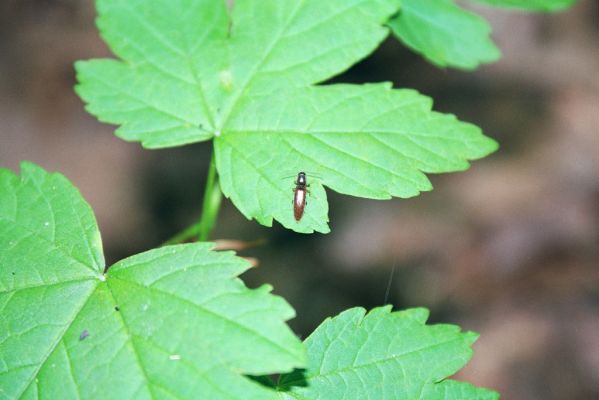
(509, 249)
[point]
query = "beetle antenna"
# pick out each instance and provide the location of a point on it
(309, 174)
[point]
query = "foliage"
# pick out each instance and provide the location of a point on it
(190, 71)
(176, 322)
(446, 34)
(450, 36)
(173, 322)
(384, 355)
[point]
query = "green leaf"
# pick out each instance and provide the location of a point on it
(190, 70)
(175, 322)
(531, 5)
(447, 35)
(186, 63)
(369, 141)
(384, 355)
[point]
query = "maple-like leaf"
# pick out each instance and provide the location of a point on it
(170, 323)
(245, 77)
(384, 355)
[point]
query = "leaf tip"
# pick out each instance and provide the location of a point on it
(29, 167)
(470, 337)
(419, 314)
(356, 313)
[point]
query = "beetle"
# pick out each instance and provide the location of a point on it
(299, 197)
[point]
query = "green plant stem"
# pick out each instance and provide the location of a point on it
(212, 200)
(184, 235)
(210, 208)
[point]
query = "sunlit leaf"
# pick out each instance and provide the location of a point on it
(191, 70)
(384, 355)
(171, 323)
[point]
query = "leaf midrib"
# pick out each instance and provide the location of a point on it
(203, 308)
(180, 52)
(261, 173)
(59, 337)
(130, 341)
(252, 74)
(382, 360)
(54, 245)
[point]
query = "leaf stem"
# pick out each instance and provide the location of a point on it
(210, 208)
(212, 200)
(184, 235)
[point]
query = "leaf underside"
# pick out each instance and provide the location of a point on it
(191, 70)
(384, 355)
(170, 323)
(447, 35)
